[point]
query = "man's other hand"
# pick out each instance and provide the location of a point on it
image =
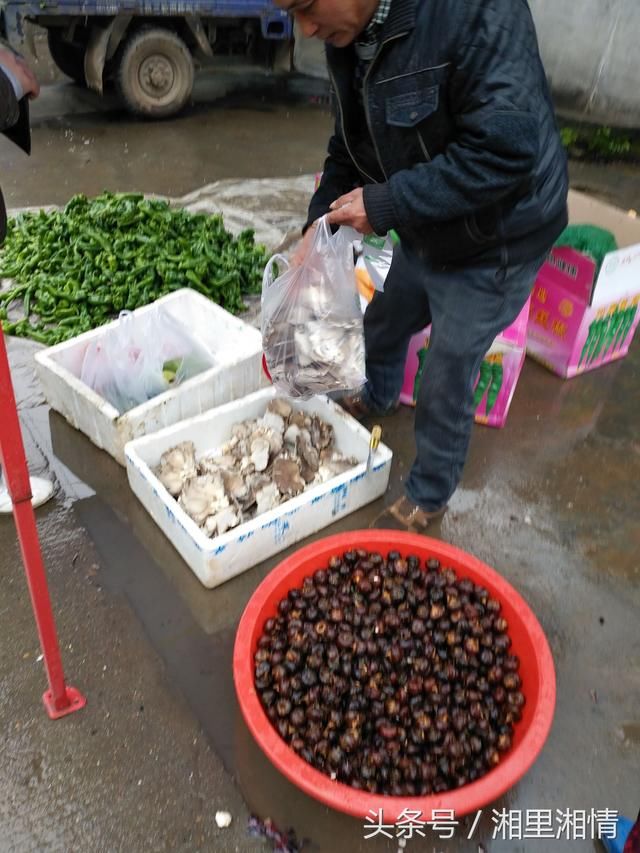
(17, 66)
(304, 245)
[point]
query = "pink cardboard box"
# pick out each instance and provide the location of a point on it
(499, 372)
(581, 319)
(498, 375)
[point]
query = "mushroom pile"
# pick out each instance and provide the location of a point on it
(266, 462)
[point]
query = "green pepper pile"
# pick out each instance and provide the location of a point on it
(77, 268)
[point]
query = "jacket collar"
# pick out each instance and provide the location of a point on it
(401, 18)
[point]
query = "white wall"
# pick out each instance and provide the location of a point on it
(591, 53)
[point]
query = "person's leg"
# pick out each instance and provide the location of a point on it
(390, 320)
(469, 307)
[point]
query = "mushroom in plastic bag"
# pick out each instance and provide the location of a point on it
(312, 332)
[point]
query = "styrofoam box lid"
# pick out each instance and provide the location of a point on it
(228, 338)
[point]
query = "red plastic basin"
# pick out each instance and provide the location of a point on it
(528, 642)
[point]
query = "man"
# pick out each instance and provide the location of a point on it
(445, 132)
(17, 81)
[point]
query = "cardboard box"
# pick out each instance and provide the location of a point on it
(498, 377)
(581, 319)
(499, 373)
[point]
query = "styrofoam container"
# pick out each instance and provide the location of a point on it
(237, 348)
(217, 560)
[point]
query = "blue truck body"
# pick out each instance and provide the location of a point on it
(274, 23)
(150, 48)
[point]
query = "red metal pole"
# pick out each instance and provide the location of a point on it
(59, 699)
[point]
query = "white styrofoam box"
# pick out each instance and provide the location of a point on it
(217, 560)
(237, 349)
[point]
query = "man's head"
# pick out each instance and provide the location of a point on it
(337, 22)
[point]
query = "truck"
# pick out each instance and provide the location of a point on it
(149, 49)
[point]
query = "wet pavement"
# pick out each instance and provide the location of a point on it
(84, 143)
(551, 502)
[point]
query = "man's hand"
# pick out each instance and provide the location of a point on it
(21, 71)
(304, 245)
(349, 210)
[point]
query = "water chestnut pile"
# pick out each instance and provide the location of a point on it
(391, 675)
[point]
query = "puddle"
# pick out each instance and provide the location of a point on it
(199, 666)
(193, 629)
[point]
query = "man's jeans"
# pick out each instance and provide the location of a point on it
(467, 308)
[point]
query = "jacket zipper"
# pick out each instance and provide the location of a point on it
(344, 132)
(364, 97)
(366, 112)
(425, 150)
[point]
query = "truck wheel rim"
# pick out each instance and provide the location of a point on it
(157, 76)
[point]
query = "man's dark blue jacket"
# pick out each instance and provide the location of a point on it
(466, 163)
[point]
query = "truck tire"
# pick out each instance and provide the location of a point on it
(155, 73)
(68, 56)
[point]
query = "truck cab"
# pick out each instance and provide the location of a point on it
(150, 49)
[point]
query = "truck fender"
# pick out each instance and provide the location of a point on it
(103, 43)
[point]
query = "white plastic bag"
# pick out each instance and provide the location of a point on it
(141, 357)
(312, 332)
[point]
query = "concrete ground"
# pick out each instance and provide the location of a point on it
(551, 502)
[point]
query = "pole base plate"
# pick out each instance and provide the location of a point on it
(76, 702)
